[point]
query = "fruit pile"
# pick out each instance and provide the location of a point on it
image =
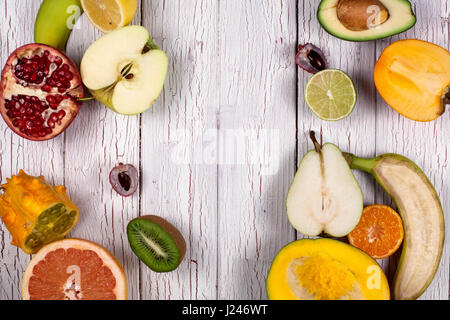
(411, 75)
(41, 92)
(325, 198)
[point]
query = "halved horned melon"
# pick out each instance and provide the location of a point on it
(325, 269)
(35, 212)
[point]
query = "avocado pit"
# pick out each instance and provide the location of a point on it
(360, 15)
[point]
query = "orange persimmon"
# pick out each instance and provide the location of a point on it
(413, 77)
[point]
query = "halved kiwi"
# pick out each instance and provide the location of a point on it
(157, 243)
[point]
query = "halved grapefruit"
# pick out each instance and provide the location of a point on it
(74, 269)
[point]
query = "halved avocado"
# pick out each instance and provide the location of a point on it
(365, 20)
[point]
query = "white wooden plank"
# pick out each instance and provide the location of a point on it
(355, 134)
(16, 153)
(257, 116)
(424, 143)
(177, 184)
(96, 142)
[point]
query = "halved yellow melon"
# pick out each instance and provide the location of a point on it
(325, 269)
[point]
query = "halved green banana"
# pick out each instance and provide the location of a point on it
(55, 22)
(423, 219)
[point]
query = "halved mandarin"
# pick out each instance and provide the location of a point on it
(379, 233)
(74, 269)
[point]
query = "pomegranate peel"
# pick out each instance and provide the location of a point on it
(39, 91)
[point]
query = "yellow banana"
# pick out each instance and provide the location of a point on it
(55, 22)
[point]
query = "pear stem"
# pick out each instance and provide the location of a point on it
(317, 145)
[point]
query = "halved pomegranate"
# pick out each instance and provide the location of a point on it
(39, 91)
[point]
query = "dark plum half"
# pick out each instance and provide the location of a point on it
(124, 179)
(311, 59)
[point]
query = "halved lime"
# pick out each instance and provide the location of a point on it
(331, 95)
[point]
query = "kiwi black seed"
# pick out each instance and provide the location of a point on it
(157, 243)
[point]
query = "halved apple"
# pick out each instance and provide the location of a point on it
(324, 196)
(125, 70)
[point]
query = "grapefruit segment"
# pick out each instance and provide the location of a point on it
(74, 269)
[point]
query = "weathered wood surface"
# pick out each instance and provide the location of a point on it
(219, 149)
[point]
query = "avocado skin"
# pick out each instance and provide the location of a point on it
(387, 34)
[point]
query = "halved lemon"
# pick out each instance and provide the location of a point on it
(74, 269)
(108, 15)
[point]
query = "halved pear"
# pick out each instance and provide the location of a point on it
(125, 70)
(324, 196)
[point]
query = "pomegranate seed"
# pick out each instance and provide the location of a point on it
(54, 117)
(61, 114)
(46, 88)
(58, 61)
(69, 75)
(51, 123)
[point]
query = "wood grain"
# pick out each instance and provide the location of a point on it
(220, 147)
(176, 183)
(257, 99)
(45, 158)
(96, 142)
